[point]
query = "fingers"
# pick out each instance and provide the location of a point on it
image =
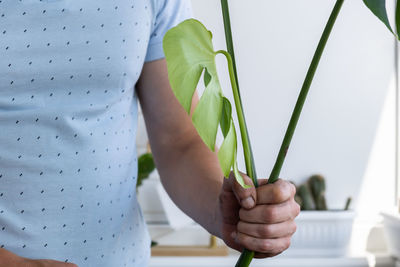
(245, 196)
(271, 214)
(275, 193)
(268, 246)
(267, 231)
(267, 224)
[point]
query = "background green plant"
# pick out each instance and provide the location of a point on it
(146, 166)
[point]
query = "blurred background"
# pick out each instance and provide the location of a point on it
(347, 133)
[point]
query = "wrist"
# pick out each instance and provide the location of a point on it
(215, 222)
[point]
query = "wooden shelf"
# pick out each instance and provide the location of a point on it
(189, 251)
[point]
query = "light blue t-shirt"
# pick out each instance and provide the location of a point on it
(68, 113)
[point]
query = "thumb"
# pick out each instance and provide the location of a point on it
(246, 197)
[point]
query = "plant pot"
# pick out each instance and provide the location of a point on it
(322, 233)
(391, 223)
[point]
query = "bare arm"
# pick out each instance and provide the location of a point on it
(259, 219)
(189, 170)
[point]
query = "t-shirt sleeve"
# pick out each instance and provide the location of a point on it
(169, 14)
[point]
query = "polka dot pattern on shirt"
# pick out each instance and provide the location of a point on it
(68, 112)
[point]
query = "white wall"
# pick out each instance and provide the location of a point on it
(274, 42)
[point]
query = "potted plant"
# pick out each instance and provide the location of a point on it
(190, 55)
(391, 224)
(320, 231)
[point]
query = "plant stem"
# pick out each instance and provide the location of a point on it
(228, 36)
(303, 93)
(248, 153)
(247, 256)
(242, 125)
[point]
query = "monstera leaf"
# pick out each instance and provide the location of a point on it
(378, 7)
(189, 54)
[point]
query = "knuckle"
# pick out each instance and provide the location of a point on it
(296, 209)
(241, 238)
(287, 190)
(293, 189)
(282, 192)
(277, 193)
(265, 231)
(270, 214)
(282, 246)
(294, 227)
(265, 246)
(286, 244)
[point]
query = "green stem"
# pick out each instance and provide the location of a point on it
(248, 153)
(228, 36)
(303, 93)
(241, 119)
(247, 256)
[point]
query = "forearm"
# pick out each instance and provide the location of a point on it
(189, 171)
(259, 219)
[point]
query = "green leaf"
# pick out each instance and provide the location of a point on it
(188, 50)
(227, 151)
(238, 176)
(226, 154)
(378, 7)
(207, 114)
(226, 116)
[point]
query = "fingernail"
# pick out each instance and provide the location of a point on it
(247, 203)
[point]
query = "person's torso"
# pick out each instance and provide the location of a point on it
(67, 129)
